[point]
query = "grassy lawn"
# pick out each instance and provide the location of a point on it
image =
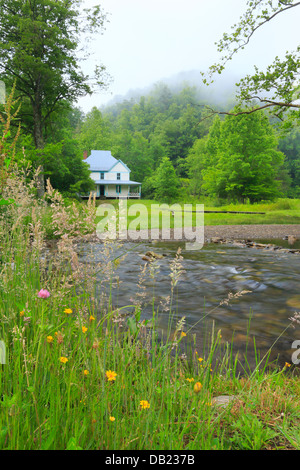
(284, 211)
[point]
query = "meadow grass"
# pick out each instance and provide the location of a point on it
(82, 374)
(283, 211)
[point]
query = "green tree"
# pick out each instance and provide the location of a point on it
(62, 164)
(39, 42)
(290, 146)
(133, 149)
(166, 183)
(95, 132)
(239, 159)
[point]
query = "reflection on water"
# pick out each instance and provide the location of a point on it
(210, 275)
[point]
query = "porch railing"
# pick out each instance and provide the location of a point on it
(128, 195)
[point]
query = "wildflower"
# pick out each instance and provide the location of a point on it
(92, 318)
(43, 294)
(68, 311)
(27, 319)
(182, 334)
(22, 313)
(287, 364)
(197, 387)
(50, 339)
(144, 404)
(85, 372)
(111, 375)
(64, 359)
(111, 418)
(200, 359)
(84, 329)
(190, 380)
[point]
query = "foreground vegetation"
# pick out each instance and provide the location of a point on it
(80, 373)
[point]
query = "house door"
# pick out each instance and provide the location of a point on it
(102, 190)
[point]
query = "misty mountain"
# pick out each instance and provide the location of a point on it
(220, 93)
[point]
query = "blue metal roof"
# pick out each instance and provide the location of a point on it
(101, 160)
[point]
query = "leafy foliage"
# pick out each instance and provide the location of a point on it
(166, 182)
(238, 159)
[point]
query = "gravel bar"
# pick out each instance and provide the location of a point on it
(251, 232)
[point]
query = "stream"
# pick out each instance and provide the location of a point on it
(252, 321)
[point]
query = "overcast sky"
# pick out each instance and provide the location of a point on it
(146, 41)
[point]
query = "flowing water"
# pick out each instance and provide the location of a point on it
(210, 274)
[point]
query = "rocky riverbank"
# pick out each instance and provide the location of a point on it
(240, 235)
(251, 232)
(247, 236)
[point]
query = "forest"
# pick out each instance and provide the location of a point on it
(174, 147)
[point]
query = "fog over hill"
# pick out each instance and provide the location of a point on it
(221, 92)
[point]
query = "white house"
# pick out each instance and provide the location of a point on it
(111, 176)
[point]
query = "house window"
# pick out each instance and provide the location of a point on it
(118, 176)
(118, 188)
(102, 176)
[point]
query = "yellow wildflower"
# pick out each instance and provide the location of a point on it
(144, 404)
(190, 380)
(182, 334)
(111, 375)
(85, 372)
(111, 418)
(197, 387)
(22, 313)
(92, 318)
(49, 339)
(84, 329)
(68, 311)
(287, 364)
(200, 359)
(64, 359)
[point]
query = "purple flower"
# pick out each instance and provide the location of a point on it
(43, 294)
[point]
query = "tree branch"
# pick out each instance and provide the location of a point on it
(268, 104)
(267, 19)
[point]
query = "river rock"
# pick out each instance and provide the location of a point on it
(223, 400)
(151, 254)
(216, 240)
(291, 239)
